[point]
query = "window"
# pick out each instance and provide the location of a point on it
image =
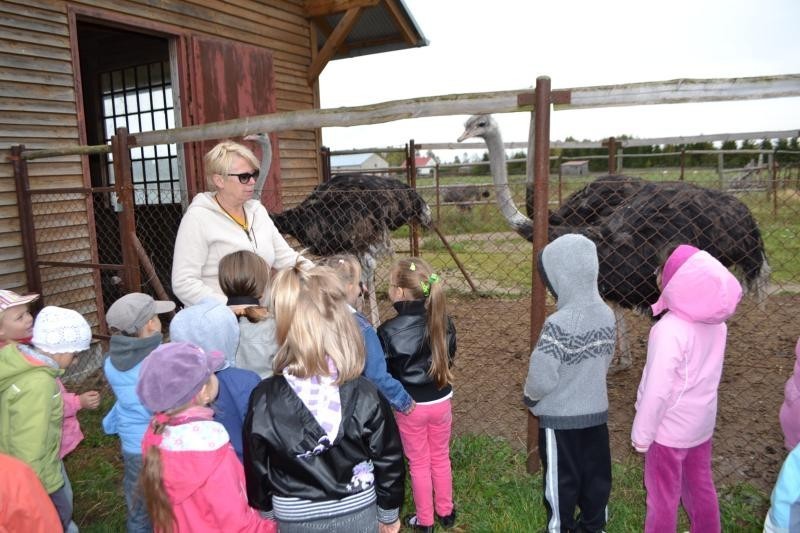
(140, 99)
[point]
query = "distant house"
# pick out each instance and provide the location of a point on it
(575, 168)
(424, 164)
(357, 162)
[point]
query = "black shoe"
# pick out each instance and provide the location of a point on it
(410, 522)
(447, 521)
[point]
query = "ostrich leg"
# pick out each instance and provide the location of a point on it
(622, 357)
(368, 266)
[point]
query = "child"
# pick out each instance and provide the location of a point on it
(31, 407)
(566, 387)
(348, 270)
(16, 321)
(135, 332)
(191, 478)
(243, 278)
(71, 434)
(784, 512)
(790, 410)
(212, 326)
(24, 505)
(420, 343)
(676, 405)
(321, 445)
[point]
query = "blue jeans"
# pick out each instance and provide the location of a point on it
(138, 519)
(62, 501)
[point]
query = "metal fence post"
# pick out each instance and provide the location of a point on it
(540, 204)
(123, 180)
(26, 226)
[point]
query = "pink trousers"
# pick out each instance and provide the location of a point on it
(426, 443)
(680, 475)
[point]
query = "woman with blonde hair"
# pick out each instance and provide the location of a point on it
(322, 450)
(222, 221)
(243, 278)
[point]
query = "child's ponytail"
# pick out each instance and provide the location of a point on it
(436, 306)
(150, 481)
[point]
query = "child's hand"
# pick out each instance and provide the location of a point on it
(411, 408)
(394, 527)
(90, 399)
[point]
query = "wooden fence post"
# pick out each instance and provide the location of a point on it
(123, 181)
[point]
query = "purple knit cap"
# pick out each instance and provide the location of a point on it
(675, 260)
(174, 373)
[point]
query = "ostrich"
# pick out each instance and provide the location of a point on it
(354, 214)
(633, 222)
(266, 161)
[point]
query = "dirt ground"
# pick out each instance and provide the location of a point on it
(492, 361)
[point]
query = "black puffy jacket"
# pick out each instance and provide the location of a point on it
(408, 350)
(279, 428)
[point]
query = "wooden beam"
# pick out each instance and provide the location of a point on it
(650, 93)
(322, 8)
(400, 20)
(329, 48)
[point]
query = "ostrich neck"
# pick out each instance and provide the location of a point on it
(505, 201)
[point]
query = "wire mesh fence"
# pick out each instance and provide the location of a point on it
(487, 269)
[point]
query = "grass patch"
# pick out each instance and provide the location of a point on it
(492, 491)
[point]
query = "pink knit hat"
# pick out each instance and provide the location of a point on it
(675, 260)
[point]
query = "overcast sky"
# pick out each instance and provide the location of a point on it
(480, 46)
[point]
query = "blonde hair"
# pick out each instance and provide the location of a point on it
(245, 273)
(312, 322)
(416, 276)
(219, 159)
(345, 266)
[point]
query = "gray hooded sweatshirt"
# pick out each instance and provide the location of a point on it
(566, 385)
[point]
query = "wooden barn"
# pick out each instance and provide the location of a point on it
(72, 72)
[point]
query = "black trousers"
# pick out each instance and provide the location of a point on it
(576, 470)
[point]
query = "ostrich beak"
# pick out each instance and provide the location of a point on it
(254, 137)
(466, 135)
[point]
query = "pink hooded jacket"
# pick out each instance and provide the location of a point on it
(790, 410)
(676, 403)
(71, 434)
(204, 480)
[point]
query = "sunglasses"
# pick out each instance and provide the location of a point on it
(244, 177)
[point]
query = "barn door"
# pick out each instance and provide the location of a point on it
(231, 80)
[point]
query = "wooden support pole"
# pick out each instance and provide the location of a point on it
(455, 258)
(127, 221)
(152, 275)
(26, 226)
(540, 213)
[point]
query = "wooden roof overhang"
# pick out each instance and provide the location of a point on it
(350, 28)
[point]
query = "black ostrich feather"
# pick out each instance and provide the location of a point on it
(353, 213)
(634, 222)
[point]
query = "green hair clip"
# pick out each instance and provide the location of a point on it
(426, 285)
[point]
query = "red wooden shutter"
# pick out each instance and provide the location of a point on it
(231, 80)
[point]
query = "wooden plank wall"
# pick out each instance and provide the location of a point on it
(38, 109)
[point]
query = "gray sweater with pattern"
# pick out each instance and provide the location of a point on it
(566, 385)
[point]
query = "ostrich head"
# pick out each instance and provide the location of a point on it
(479, 126)
(266, 161)
(484, 127)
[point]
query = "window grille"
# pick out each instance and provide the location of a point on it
(140, 99)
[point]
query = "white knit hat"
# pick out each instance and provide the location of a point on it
(60, 330)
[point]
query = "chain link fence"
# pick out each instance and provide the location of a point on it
(487, 270)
